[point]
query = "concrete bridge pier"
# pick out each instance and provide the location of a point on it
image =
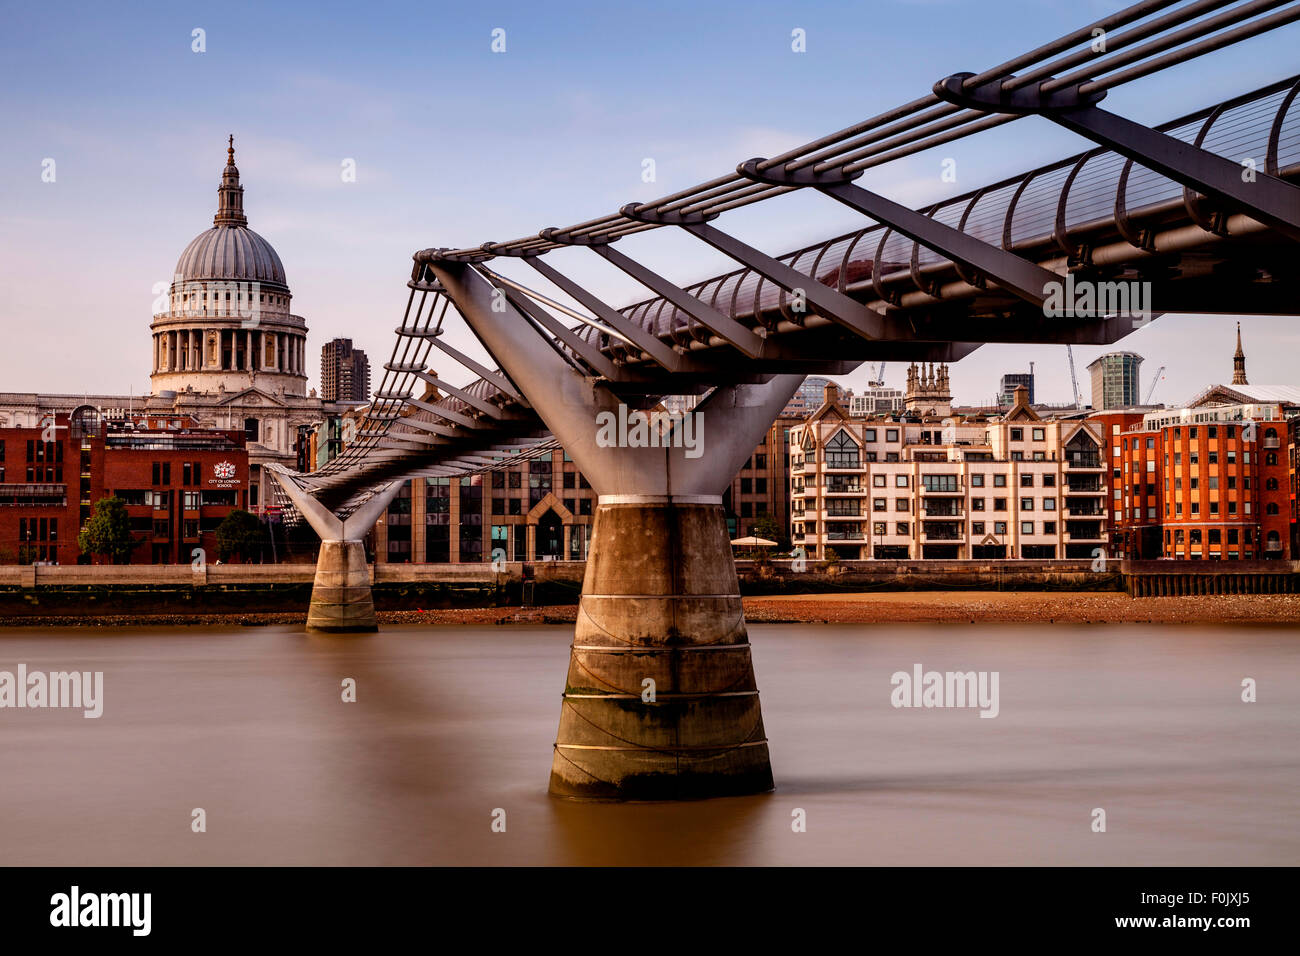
(341, 597)
(660, 701)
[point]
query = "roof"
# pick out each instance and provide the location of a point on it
(1247, 395)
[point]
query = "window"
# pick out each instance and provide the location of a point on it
(901, 504)
(902, 528)
(869, 434)
(977, 527)
(1026, 481)
(1017, 434)
(939, 482)
(999, 504)
(891, 434)
(878, 527)
(842, 452)
(1049, 481)
(1049, 527)
(977, 504)
(1026, 527)
(977, 481)
(1039, 434)
(999, 481)
(900, 481)
(1049, 504)
(877, 504)
(251, 430)
(1026, 504)
(999, 527)
(877, 481)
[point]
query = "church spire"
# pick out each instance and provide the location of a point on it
(230, 195)
(1239, 362)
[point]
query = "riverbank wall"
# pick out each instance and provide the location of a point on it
(95, 590)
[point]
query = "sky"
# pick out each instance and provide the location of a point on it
(454, 144)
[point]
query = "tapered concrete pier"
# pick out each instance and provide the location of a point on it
(341, 596)
(660, 701)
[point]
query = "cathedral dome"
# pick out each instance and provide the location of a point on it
(230, 250)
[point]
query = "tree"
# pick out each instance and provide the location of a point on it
(108, 532)
(766, 526)
(240, 533)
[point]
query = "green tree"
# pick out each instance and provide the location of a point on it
(240, 533)
(108, 532)
(766, 526)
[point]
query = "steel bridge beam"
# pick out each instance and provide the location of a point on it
(1273, 201)
(1011, 272)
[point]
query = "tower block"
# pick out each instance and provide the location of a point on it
(660, 701)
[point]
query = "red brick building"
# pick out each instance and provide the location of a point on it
(1210, 482)
(178, 482)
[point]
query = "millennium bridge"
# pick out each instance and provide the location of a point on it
(1203, 211)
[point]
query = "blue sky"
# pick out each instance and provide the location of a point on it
(455, 145)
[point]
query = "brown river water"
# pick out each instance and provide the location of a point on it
(453, 723)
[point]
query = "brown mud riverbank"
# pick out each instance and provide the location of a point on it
(888, 607)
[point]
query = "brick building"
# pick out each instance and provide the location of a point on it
(1208, 482)
(178, 482)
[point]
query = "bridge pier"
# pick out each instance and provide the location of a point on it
(341, 596)
(660, 701)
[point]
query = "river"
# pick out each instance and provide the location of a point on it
(453, 723)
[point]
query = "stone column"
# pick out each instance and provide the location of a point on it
(660, 598)
(341, 598)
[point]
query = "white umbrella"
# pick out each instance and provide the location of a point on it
(753, 542)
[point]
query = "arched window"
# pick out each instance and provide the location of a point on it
(1274, 542)
(1272, 508)
(1270, 458)
(842, 452)
(1270, 433)
(1271, 484)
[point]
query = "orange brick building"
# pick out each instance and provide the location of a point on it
(1210, 482)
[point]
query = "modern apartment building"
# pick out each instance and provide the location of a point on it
(344, 372)
(939, 486)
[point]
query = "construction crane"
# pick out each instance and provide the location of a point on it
(1074, 379)
(1154, 382)
(879, 380)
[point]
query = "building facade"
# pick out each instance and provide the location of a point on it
(1115, 381)
(178, 482)
(344, 372)
(942, 487)
(1210, 482)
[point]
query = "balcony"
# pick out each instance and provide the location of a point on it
(1081, 487)
(1081, 509)
(1271, 442)
(844, 536)
(1083, 461)
(943, 490)
(943, 508)
(842, 489)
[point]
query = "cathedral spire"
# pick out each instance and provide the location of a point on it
(1239, 362)
(230, 195)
